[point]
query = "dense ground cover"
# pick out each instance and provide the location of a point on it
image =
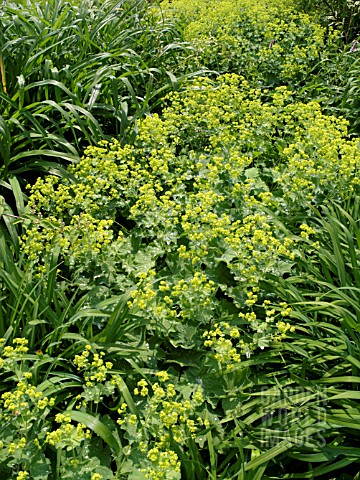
(181, 302)
(73, 74)
(278, 44)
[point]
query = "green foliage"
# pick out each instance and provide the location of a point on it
(34, 433)
(323, 355)
(269, 42)
(72, 74)
(192, 220)
(168, 194)
(181, 303)
(273, 44)
(344, 15)
(337, 87)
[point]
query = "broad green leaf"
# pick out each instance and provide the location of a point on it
(97, 427)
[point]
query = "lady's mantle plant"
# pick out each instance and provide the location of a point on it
(185, 217)
(186, 222)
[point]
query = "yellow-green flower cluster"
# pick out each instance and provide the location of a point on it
(67, 436)
(144, 295)
(95, 367)
(25, 399)
(84, 235)
(318, 160)
(22, 475)
(230, 343)
(306, 231)
(96, 372)
(22, 400)
(24, 406)
(189, 211)
(165, 415)
(226, 349)
(267, 39)
(165, 463)
(96, 476)
(28, 430)
(15, 352)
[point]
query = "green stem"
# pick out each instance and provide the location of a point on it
(58, 463)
